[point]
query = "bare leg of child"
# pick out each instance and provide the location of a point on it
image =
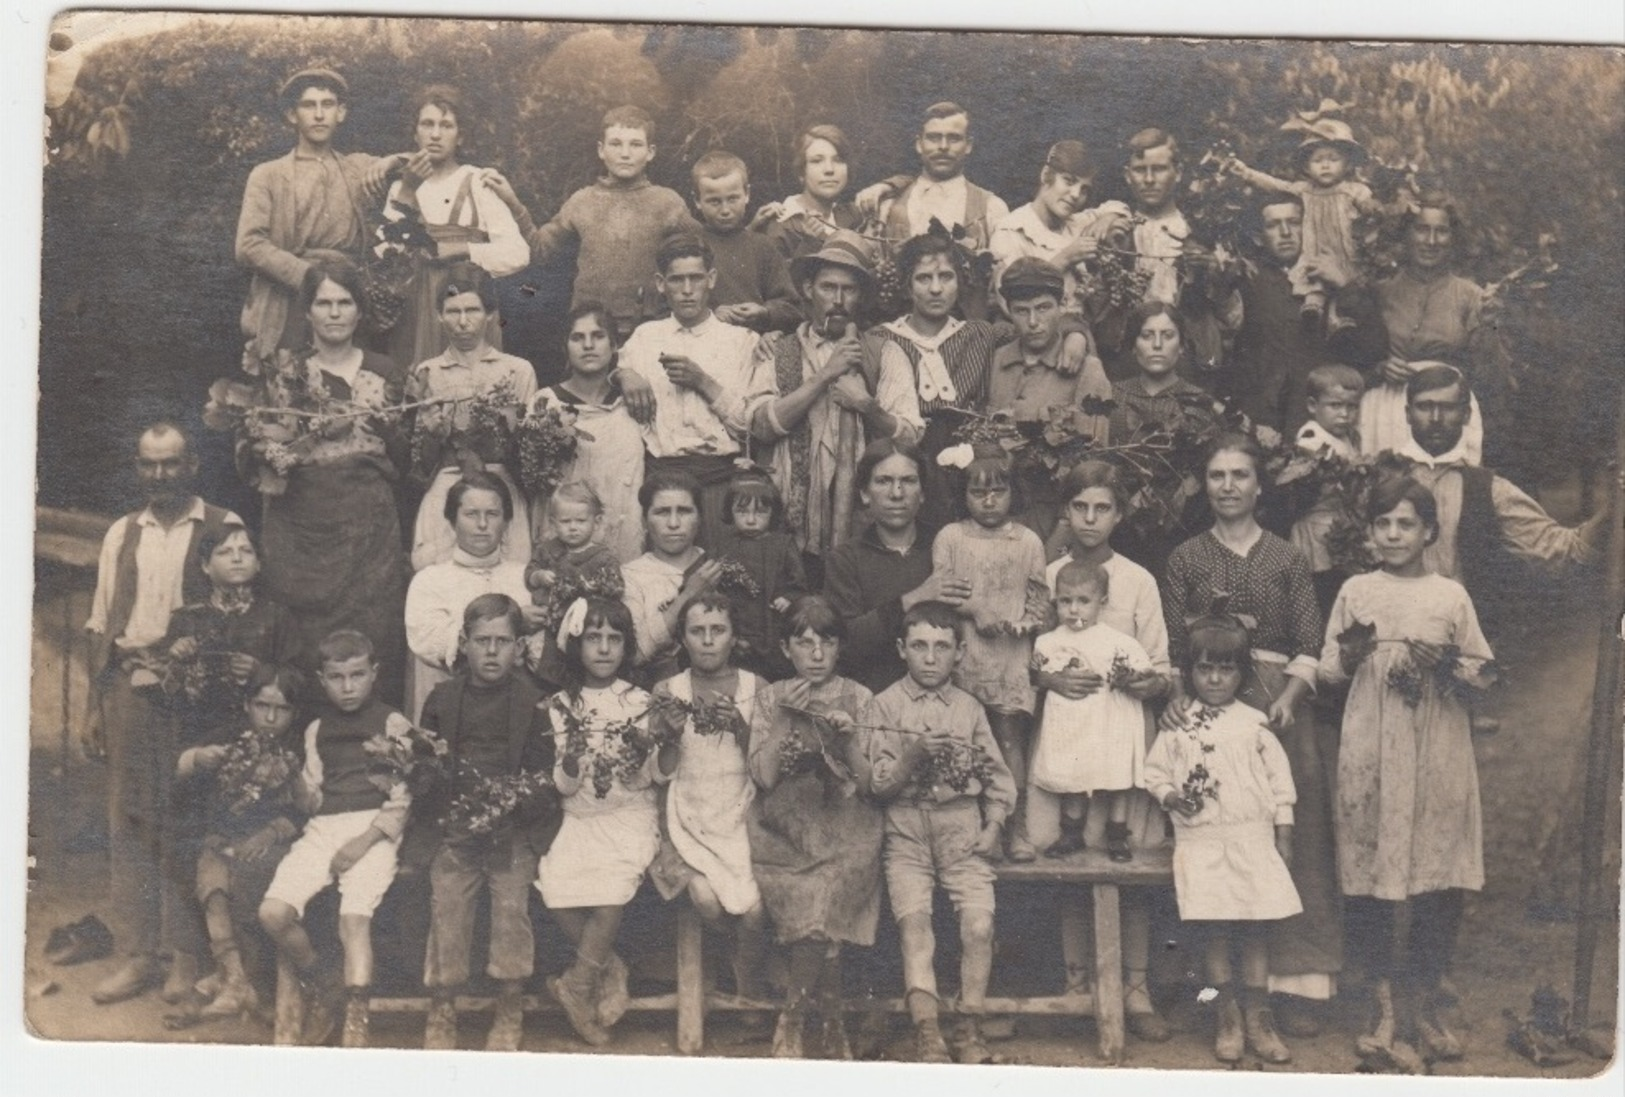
(283, 924)
(1010, 731)
(1117, 847)
(920, 977)
(1143, 1019)
(1230, 1039)
(1255, 974)
(355, 934)
(975, 969)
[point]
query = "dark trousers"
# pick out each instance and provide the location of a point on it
(455, 877)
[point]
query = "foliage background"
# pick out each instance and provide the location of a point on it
(140, 294)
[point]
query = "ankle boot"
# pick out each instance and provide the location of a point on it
(1018, 848)
(236, 994)
(508, 1019)
(1070, 841)
(787, 1036)
(575, 990)
(1260, 1028)
(182, 979)
(613, 995)
(1117, 843)
(1382, 1046)
(440, 1027)
(1438, 1041)
(357, 1017)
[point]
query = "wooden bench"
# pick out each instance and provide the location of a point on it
(692, 1000)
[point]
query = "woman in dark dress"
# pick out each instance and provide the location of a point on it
(333, 551)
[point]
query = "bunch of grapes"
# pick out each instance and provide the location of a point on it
(547, 443)
(384, 284)
(956, 766)
(796, 754)
(1121, 672)
(736, 581)
(1199, 785)
(487, 802)
(1117, 280)
(1406, 679)
(255, 766)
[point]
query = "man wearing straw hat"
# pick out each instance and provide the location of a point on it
(832, 397)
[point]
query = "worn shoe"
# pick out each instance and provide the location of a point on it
(613, 995)
(1297, 1016)
(1070, 841)
(579, 1008)
(85, 940)
(1149, 1027)
(507, 1019)
(211, 984)
(1262, 1037)
(234, 998)
(138, 975)
(1231, 1039)
(181, 983)
(969, 1046)
(929, 1046)
(787, 1035)
(835, 1043)
(440, 1027)
(357, 1018)
(1018, 848)
(1380, 1034)
(1438, 1041)
(321, 1013)
(1117, 843)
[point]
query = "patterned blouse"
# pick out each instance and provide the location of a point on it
(1270, 584)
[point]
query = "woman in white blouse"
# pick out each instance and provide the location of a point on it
(479, 508)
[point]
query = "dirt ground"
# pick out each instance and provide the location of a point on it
(1518, 934)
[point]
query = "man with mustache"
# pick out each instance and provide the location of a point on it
(147, 570)
(906, 207)
(833, 397)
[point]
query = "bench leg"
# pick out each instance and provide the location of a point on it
(690, 982)
(290, 1005)
(1108, 973)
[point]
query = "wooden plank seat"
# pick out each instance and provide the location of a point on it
(692, 1000)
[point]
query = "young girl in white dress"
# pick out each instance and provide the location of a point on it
(1093, 745)
(1409, 821)
(1225, 780)
(704, 714)
(605, 770)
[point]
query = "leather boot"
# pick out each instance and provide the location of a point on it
(787, 1036)
(508, 1018)
(440, 1027)
(138, 975)
(1231, 1039)
(1260, 1027)
(1018, 848)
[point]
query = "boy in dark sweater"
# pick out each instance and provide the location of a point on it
(352, 838)
(492, 722)
(753, 281)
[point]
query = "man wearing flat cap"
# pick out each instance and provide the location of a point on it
(834, 396)
(1027, 379)
(298, 208)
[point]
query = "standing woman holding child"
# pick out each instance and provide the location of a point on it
(467, 221)
(1239, 568)
(332, 540)
(609, 446)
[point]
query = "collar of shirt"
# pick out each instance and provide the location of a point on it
(871, 538)
(698, 331)
(453, 358)
(194, 513)
(943, 694)
(943, 190)
(475, 563)
(1028, 222)
(1455, 456)
(1049, 357)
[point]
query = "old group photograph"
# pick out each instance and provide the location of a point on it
(781, 542)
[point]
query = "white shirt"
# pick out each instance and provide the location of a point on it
(684, 423)
(505, 253)
(161, 559)
(946, 200)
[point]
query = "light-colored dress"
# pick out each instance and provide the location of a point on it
(1409, 818)
(604, 846)
(434, 613)
(1226, 866)
(651, 585)
(815, 844)
(705, 807)
(1097, 742)
(1005, 567)
(1134, 606)
(609, 459)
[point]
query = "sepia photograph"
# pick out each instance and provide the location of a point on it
(780, 542)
